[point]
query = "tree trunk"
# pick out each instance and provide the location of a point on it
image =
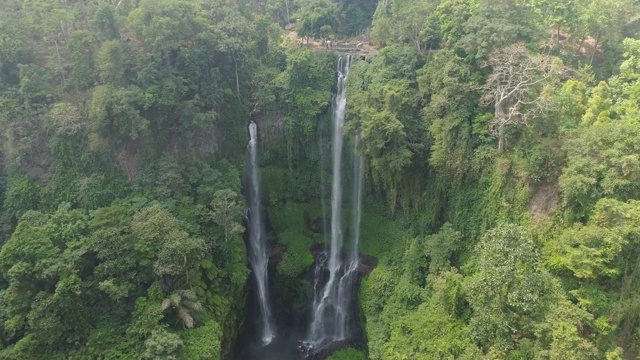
(235, 61)
(286, 4)
(501, 138)
(595, 49)
(500, 118)
(581, 43)
(55, 41)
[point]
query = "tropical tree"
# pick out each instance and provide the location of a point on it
(451, 102)
(383, 106)
(115, 113)
(162, 241)
(508, 287)
(604, 20)
(182, 303)
(317, 18)
(122, 268)
(29, 262)
(227, 212)
(602, 161)
(81, 51)
(233, 33)
(498, 24)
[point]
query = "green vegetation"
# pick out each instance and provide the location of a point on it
(518, 194)
(347, 354)
(501, 142)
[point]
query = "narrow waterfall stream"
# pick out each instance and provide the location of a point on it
(258, 251)
(358, 180)
(332, 313)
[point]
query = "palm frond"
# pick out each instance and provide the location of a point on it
(192, 305)
(175, 300)
(165, 304)
(186, 318)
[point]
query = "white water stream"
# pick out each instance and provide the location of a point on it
(332, 303)
(258, 252)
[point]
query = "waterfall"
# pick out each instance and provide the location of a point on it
(332, 310)
(258, 252)
(358, 179)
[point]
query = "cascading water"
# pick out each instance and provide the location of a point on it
(358, 179)
(332, 310)
(258, 254)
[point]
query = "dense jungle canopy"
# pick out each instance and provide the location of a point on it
(501, 143)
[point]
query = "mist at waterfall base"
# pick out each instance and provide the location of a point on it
(330, 321)
(293, 324)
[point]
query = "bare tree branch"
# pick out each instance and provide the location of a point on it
(515, 85)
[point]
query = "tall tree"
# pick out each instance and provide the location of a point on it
(496, 24)
(183, 303)
(604, 20)
(514, 86)
(451, 104)
(234, 33)
(227, 212)
(602, 161)
(318, 18)
(173, 252)
(507, 288)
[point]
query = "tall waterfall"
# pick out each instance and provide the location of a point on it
(258, 252)
(358, 179)
(332, 309)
